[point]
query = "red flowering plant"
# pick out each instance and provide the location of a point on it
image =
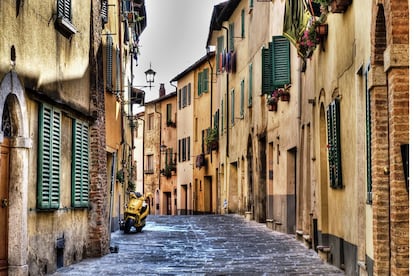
(308, 41)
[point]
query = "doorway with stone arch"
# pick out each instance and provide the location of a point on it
(15, 144)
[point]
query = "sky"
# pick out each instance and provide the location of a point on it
(174, 39)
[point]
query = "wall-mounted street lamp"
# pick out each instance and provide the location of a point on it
(137, 95)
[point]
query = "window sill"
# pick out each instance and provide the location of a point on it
(65, 27)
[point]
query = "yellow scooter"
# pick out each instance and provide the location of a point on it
(136, 211)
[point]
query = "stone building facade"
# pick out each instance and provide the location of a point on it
(54, 173)
(323, 153)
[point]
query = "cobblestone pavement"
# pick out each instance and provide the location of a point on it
(204, 245)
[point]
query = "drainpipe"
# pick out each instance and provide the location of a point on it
(227, 96)
(111, 199)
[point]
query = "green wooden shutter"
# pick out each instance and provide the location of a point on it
(109, 45)
(250, 92)
(64, 9)
(280, 61)
(169, 111)
(242, 98)
(368, 140)
(231, 34)
(80, 164)
(267, 87)
(334, 145)
(189, 93)
(205, 80)
(200, 83)
(179, 98)
(48, 177)
(242, 23)
(220, 46)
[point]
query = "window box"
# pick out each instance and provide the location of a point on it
(200, 161)
(171, 124)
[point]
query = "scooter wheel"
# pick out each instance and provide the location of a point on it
(128, 224)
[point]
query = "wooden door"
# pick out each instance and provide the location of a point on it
(4, 197)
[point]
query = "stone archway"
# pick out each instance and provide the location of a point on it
(13, 102)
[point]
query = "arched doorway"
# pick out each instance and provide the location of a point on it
(15, 142)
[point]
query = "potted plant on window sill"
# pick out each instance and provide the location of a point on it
(212, 139)
(272, 102)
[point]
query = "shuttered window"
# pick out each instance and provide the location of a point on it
(202, 82)
(189, 93)
(242, 23)
(334, 144)
(169, 113)
(280, 61)
(188, 148)
(64, 9)
(275, 65)
(104, 11)
(231, 36)
(368, 140)
(80, 164)
(220, 47)
(48, 175)
(267, 87)
(109, 45)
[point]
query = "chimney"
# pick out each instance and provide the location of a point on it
(162, 90)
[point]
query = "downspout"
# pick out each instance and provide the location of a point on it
(159, 145)
(227, 96)
(112, 192)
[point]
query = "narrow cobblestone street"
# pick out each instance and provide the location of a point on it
(204, 245)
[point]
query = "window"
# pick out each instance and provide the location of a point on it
(189, 93)
(169, 113)
(203, 82)
(109, 45)
(250, 92)
(368, 139)
(220, 47)
(242, 99)
(150, 164)
(231, 36)
(64, 18)
(80, 164)
(151, 121)
(65, 9)
(242, 24)
(184, 149)
(179, 98)
(184, 96)
(188, 149)
(334, 145)
(232, 106)
(48, 175)
(276, 64)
